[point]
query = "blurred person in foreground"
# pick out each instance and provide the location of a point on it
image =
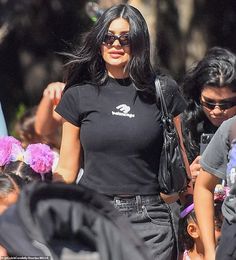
(10, 186)
(59, 221)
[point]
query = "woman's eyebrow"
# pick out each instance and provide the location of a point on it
(122, 32)
(220, 100)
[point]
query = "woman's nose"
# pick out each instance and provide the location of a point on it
(116, 43)
(217, 110)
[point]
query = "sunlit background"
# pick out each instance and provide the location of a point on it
(33, 33)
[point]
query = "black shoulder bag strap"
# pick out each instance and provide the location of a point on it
(167, 118)
(160, 97)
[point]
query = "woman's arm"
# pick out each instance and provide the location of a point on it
(47, 120)
(69, 159)
(204, 209)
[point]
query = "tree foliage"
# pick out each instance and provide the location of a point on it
(33, 32)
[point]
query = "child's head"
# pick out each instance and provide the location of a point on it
(24, 128)
(24, 171)
(189, 232)
(33, 163)
(10, 186)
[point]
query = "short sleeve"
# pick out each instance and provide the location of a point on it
(215, 158)
(68, 106)
(175, 102)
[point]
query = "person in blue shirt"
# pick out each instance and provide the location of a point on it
(3, 127)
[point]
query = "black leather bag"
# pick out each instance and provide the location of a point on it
(172, 175)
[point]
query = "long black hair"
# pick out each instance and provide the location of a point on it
(87, 64)
(216, 69)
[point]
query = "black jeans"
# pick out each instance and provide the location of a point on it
(151, 218)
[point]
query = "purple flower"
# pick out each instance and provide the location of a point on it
(8, 147)
(39, 157)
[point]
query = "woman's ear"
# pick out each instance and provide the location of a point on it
(193, 230)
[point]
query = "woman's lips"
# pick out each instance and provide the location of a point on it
(116, 54)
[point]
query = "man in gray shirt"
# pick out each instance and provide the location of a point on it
(218, 162)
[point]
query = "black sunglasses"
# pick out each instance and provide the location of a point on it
(224, 105)
(111, 38)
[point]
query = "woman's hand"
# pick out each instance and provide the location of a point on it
(47, 120)
(195, 168)
(54, 91)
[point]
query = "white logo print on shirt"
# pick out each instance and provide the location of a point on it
(124, 111)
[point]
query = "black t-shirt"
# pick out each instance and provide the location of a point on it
(121, 134)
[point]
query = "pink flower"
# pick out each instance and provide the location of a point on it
(39, 157)
(9, 146)
(220, 192)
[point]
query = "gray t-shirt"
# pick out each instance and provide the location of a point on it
(218, 160)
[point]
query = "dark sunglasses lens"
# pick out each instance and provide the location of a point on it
(227, 105)
(209, 105)
(222, 106)
(124, 40)
(109, 39)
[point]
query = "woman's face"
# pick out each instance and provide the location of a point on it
(116, 54)
(218, 104)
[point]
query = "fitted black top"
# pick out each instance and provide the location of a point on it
(120, 133)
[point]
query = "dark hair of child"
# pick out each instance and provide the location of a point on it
(186, 242)
(9, 183)
(25, 172)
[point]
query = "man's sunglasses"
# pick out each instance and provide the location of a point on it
(223, 105)
(111, 38)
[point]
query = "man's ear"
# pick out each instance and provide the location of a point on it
(193, 230)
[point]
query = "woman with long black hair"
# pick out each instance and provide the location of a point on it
(209, 86)
(112, 123)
